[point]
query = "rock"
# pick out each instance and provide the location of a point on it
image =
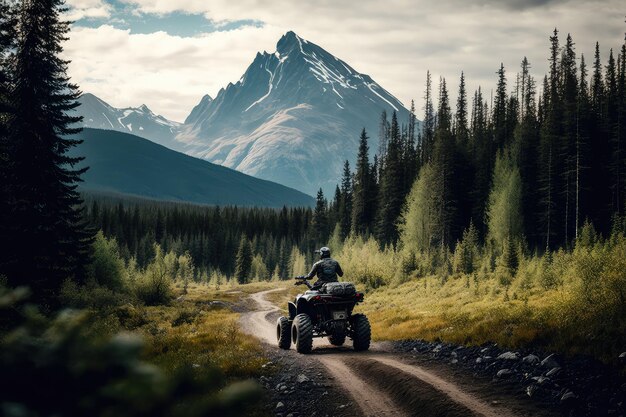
(504, 373)
(541, 380)
(554, 371)
(453, 354)
(195, 365)
(302, 379)
(290, 415)
(479, 360)
(280, 406)
(437, 348)
(509, 356)
(550, 362)
(531, 389)
(568, 396)
(531, 359)
(453, 361)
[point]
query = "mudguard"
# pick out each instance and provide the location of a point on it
(293, 311)
(303, 307)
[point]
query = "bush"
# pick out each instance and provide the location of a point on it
(107, 268)
(86, 373)
(154, 285)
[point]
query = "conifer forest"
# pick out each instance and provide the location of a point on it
(498, 218)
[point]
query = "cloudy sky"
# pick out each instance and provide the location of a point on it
(169, 53)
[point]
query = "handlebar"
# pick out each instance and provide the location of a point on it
(302, 280)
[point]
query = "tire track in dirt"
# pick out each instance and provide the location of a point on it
(359, 374)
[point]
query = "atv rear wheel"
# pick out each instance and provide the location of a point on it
(302, 333)
(337, 339)
(361, 332)
(282, 333)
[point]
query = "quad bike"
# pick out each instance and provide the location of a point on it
(324, 312)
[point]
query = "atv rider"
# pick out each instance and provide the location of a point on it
(326, 269)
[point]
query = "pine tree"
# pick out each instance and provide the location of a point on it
(345, 205)
(500, 111)
(410, 159)
(481, 149)
(548, 149)
(383, 134)
(49, 240)
(461, 131)
(464, 168)
(391, 195)
(600, 194)
(243, 261)
(612, 129)
(362, 196)
(525, 149)
(583, 157)
(428, 124)
(319, 224)
(444, 164)
(567, 145)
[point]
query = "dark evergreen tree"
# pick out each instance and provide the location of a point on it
(392, 190)
(500, 111)
(428, 124)
(525, 150)
(345, 205)
(49, 239)
(481, 148)
(383, 134)
(319, 226)
(444, 165)
(583, 150)
(567, 144)
(460, 127)
(410, 160)
(243, 263)
(599, 168)
(362, 195)
(613, 135)
(548, 149)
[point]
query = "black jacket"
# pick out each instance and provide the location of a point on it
(326, 270)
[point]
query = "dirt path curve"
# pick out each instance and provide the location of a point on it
(380, 374)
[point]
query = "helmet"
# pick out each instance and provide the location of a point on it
(324, 252)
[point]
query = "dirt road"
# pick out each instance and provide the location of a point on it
(379, 382)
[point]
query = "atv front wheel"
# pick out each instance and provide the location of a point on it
(282, 333)
(361, 332)
(302, 333)
(337, 339)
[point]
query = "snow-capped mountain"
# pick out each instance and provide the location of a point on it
(293, 117)
(140, 121)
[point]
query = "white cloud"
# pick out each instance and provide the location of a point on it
(394, 41)
(81, 9)
(168, 73)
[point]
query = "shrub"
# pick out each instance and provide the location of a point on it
(90, 374)
(154, 285)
